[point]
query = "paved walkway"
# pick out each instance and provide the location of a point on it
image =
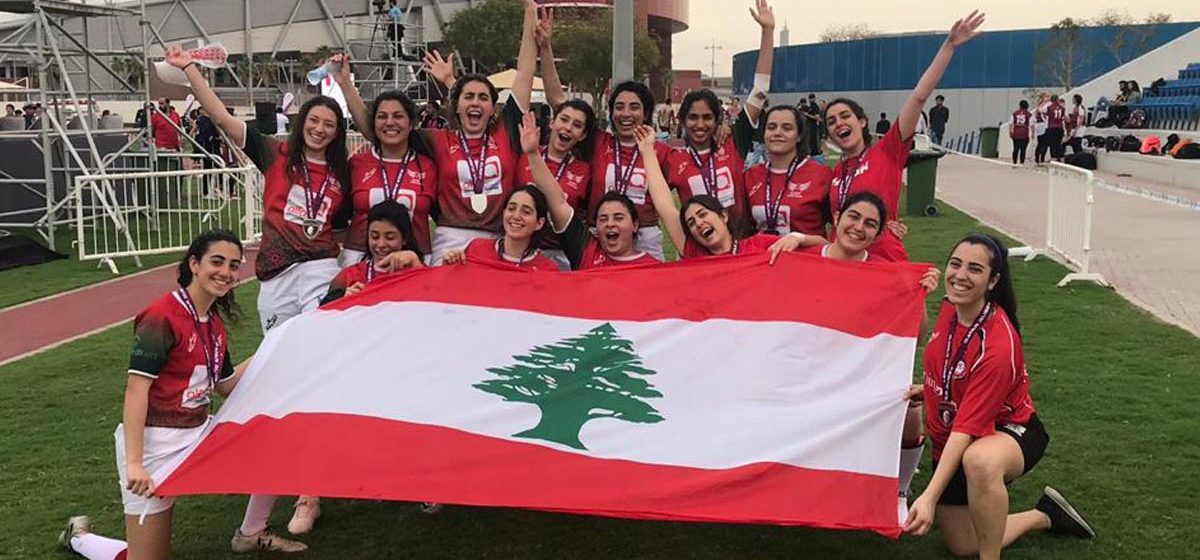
(56, 320)
(1147, 249)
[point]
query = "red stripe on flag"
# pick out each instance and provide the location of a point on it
(349, 456)
(862, 299)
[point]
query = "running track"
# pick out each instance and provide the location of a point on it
(58, 319)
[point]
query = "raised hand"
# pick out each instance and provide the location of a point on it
(342, 63)
(544, 33)
(764, 15)
(965, 29)
(178, 57)
(531, 136)
(442, 69)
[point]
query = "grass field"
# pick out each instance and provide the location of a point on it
(1117, 390)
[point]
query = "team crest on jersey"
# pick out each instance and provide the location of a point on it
(793, 188)
(862, 168)
(191, 343)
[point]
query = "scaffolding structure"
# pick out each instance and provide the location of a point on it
(389, 58)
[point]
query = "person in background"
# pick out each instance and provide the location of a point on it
(1040, 127)
(813, 128)
(1056, 119)
(1076, 123)
(882, 125)
(208, 138)
(1020, 126)
(281, 121)
(395, 32)
(734, 109)
(939, 115)
(165, 125)
(103, 113)
(10, 110)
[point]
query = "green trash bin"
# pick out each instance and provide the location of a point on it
(922, 178)
(989, 138)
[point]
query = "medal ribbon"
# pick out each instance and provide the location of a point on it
(772, 212)
(562, 167)
(848, 176)
(212, 354)
(370, 270)
(623, 177)
(391, 190)
(708, 173)
(312, 200)
(477, 167)
(949, 365)
(529, 252)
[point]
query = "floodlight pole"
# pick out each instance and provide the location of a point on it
(622, 57)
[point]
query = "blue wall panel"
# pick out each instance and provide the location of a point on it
(999, 59)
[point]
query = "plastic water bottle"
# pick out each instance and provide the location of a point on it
(319, 73)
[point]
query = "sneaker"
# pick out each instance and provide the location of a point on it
(266, 540)
(308, 509)
(76, 526)
(430, 508)
(1064, 520)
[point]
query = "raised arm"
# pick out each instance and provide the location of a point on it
(354, 101)
(964, 30)
(660, 192)
(544, 37)
(766, 57)
(234, 128)
(522, 89)
(441, 69)
(560, 211)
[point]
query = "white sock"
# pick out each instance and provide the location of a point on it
(95, 547)
(910, 458)
(258, 513)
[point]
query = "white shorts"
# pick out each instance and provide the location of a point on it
(650, 240)
(350, 257)
(559, 258)
(159, 447)
(296, 290)
(446, 239)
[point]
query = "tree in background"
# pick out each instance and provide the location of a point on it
(1057, 59)
(1132, 38)
(583, 38)
(847, 32)
(488, 33)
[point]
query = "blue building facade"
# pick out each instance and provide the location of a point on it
(997, 59)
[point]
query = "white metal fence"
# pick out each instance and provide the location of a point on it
(1069, 220)
(130, 214)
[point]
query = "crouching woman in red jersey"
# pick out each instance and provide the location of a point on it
(524, 218)
(392, 246)
(180, 356)
(979, 414)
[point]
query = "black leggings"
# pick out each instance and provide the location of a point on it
(1039, 153)
(1019, 146)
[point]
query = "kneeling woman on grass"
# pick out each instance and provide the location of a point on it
(180, 356)
(979, 415)
(703, 226)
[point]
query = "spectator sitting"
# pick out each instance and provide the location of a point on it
(882, 126)
(1135, 93)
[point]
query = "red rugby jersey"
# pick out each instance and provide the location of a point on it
(497, 171)
(168, 348)
(488, 250)
(413, 183)
(991, 386)
(691, 172)
(604, 169)
(796, 203)
(757, 243)
(880, 169)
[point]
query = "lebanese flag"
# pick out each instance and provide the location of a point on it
(720, 390)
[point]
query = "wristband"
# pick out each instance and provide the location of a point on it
(188, 65)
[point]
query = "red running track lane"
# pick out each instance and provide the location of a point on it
(55, 320)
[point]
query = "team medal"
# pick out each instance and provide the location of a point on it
(312, 225)
(947, 410)
(478, 170)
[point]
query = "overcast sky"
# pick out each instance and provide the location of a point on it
(729, 23)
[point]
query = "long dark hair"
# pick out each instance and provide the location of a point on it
(225, 306)
(396, 214)
(737, 229)
(583, 148)
(416, 141)
(708, 98)
(336, 154)
(1002, 294)
(457, 90)
(540, 206)
(858, 112)
(641, 91)
(801, 125)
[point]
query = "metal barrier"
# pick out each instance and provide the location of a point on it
(131, 214)
(1069, 220)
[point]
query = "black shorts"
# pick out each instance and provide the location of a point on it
(1032, 439)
